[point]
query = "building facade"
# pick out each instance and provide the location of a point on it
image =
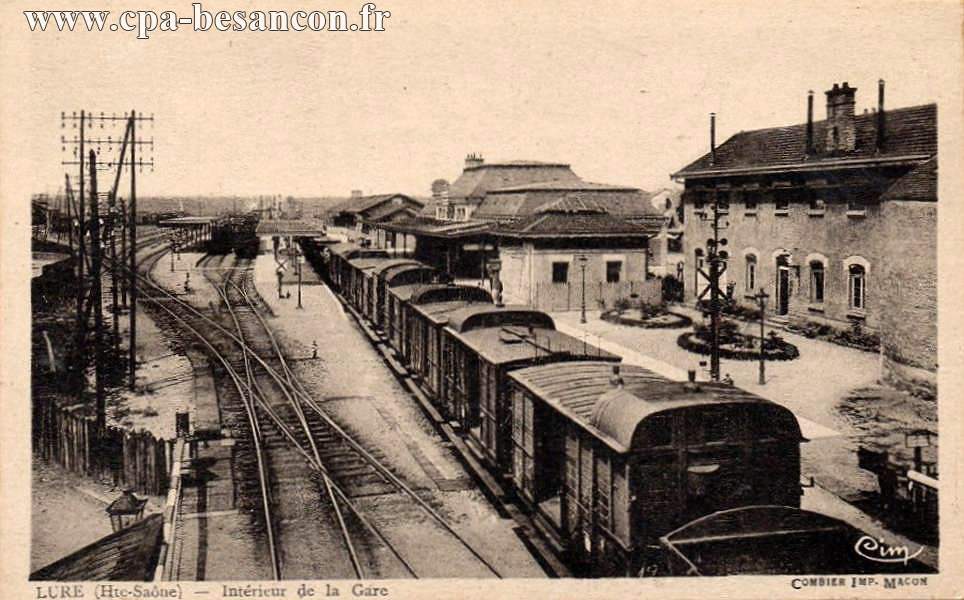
(835, 219)
(562, 259)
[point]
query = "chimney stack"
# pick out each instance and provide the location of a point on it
(809, 149)
(881, 117)
(473, 160)
(712, 138)
(841, 129)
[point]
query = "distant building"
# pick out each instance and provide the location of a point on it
(478, 178)
(566, 253)
(836, 219)
(360, 214)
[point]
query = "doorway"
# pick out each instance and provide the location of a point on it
(783, 285)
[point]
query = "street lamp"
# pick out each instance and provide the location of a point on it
(126, 510)
(761, 298)
(300, 259)
(583, 259)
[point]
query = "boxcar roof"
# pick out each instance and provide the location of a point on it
(342, 248)
(390, 273)
(395, 262)
(444, 292)
(584, 392)
(439, 312)
(368, 262)
(506, 344)
(431, 292)
(481, 315)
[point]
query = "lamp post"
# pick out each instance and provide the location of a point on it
(125, 510)
(583, 259)
(300, 260)
(761, 298)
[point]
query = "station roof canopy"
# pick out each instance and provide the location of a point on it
(298, 228)
(187, 221)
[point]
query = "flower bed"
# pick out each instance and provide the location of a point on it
(737, 346)
(664, 320)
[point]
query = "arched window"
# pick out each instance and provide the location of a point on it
(750, 278)
(817, 282)
(858, 286)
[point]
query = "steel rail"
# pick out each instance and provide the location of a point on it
(399, 484)
(347, 437)
(346, 536)
(291, 378)
(255, 433)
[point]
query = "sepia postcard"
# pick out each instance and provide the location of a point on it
(554, 299)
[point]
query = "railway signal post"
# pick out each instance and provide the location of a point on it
(717, 258)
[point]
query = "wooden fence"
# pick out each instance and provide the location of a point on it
(135, 460)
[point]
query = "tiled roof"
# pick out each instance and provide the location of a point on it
(385, 211)
(908, 131)
(502, 205)
(420, 225)
(574, 223)
(568, 186)
(363, 203)
(919, 184)
(130, 554)
(475, 181)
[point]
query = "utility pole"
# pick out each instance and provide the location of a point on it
(123, 220)
(81, 333)
(97, 295)
(115, 309)
(761, 298)
(88, 232)
(132, 286)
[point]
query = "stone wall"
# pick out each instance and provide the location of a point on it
(908, 328)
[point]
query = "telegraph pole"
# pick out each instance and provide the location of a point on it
(132, 362)
(114, 278)
(97, 294)
(81, 333)
(88, 232)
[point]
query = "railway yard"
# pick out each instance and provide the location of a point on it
(370, 428)
(326, 472)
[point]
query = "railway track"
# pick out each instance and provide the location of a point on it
(304, 475)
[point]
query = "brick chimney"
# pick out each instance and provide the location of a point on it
(356, 194)
(473, 160)
(841, 131)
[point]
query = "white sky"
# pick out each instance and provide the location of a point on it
(621, 91)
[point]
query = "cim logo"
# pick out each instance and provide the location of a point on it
(877, 551)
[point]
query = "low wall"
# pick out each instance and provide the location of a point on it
(559, 297)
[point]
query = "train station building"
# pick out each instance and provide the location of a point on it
(835, 219)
